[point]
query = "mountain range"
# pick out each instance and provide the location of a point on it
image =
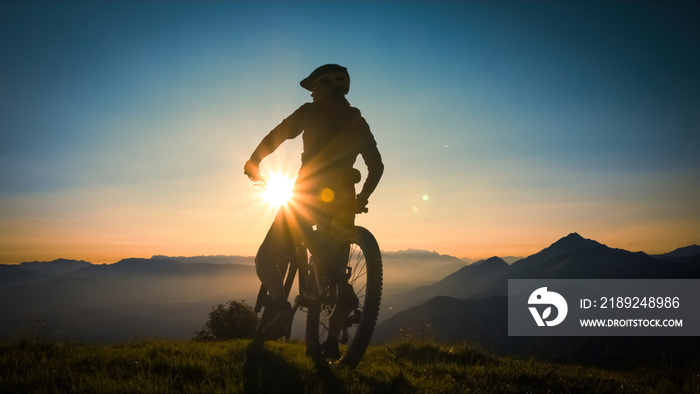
(471, 304)
(571, 257)
(163, 296)
(425, 293)
(85, 302)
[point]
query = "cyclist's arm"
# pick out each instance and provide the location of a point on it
(290, 128)
(373, 160)
(375, 169)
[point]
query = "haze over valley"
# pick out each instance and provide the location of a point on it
(170, 297)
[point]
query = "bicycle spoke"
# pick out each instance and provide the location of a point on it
(363, 268)
(362, 273)
(361, 290)
(327, 330)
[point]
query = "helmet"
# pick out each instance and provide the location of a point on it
(336, 75)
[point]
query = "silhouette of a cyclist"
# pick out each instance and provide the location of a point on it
(334, 134)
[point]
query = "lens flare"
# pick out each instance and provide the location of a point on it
(277, 190)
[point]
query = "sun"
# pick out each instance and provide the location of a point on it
(277, 190)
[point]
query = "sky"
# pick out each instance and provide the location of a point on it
(503, 126)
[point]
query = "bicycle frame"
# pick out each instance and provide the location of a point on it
(302, 265)
(340, 315)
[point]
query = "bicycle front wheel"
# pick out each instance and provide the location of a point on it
(340, 324)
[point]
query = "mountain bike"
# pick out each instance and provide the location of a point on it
(340, 288)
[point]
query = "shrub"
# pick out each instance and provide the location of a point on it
(231, 320)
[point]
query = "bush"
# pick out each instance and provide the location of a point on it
(232, 320)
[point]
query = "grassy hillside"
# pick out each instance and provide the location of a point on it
(406, 367)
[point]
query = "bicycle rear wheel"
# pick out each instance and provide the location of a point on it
(341, 322)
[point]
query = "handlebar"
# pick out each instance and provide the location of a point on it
(261, 181)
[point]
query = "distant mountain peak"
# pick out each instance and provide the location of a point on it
(574, 236)
(687, 251)
(574, 241)
(494, 261)
(56, 267)
(568, 244)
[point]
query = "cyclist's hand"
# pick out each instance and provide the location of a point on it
(252, 170)
(361, 204)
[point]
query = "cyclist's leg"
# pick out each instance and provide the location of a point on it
(271, 252)
(342, 224)
(343, 329)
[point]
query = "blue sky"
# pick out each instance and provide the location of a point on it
(503, 125)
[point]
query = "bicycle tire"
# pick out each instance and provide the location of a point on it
(325, 344)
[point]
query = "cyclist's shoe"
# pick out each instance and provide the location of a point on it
(281, 319)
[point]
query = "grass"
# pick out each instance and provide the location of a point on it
(409, 366)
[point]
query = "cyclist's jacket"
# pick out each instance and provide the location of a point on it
(334, 134)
